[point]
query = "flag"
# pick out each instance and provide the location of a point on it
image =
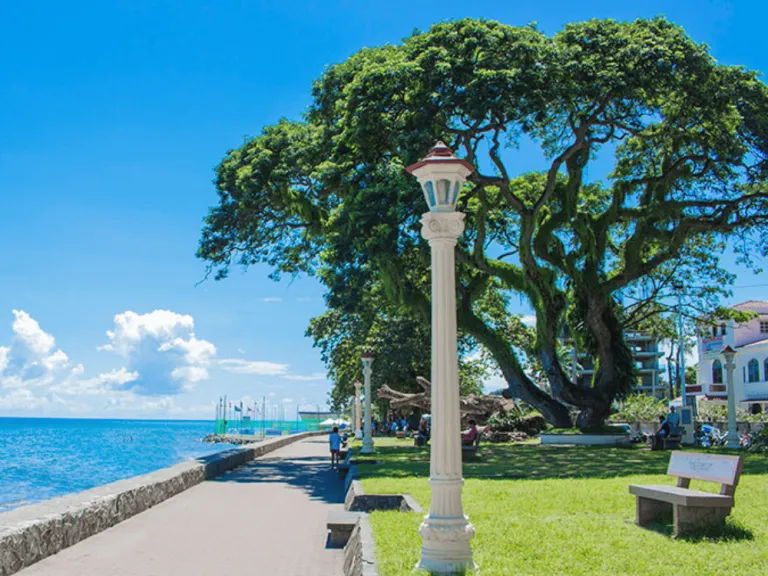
(237, 408)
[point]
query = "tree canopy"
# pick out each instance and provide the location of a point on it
(687, 139)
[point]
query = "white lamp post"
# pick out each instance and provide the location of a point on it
(732, 439)
(358, 419)
(446, 531)
(367, 359)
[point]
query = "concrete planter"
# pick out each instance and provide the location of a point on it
(584, 439)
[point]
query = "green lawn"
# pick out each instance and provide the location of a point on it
(562, 511)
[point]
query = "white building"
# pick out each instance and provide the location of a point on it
(750, 340)
(646, 353)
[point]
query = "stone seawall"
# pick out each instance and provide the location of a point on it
(359, 553)
(31, 533)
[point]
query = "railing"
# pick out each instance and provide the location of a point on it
(263, 427)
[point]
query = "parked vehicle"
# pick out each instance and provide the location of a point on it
(708, 435)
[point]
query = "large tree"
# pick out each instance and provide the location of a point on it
(685, 136)
(400, 341)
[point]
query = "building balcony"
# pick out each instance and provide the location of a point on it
(647, 354)
(639, 371)
(755, 392)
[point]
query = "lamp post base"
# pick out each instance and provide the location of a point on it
(446, 548)
(367, 447)
(732, 440)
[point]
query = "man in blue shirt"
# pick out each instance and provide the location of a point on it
(335, 441)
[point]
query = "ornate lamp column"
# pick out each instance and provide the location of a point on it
(367, 448)
(358, 419)
(446, 531)
(732, 438)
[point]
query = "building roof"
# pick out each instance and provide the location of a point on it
(756, 344)
(759, 306)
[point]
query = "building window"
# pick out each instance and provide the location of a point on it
(765, 369)
(763, 327)
(722, 330)
(753, 368)
(717, 372)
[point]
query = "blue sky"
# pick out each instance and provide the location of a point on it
(112, 117)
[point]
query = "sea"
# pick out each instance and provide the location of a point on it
(42, 458)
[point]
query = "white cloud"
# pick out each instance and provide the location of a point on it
(190, 373)
(29, 361)
(20, 399)
(239, 366)
(56, 361)
(287, 400)
(162, 349)
(29, 334)
(195, 351)
(529, 320)
(305, 377)
(4, 353)
(272, 299)
(104, 383)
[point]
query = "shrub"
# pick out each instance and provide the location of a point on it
(511, 421)
(759, 442)
(640, 408)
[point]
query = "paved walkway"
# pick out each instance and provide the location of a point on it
(266, 518)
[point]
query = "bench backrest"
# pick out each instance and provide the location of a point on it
(724, 470)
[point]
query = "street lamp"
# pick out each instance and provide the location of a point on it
(358, 429)
(367, 360)
(446, 532)
(732, 438)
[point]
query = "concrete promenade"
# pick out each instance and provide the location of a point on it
(267, 517)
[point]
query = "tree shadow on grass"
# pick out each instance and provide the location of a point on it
(731, 532)
(533, 462)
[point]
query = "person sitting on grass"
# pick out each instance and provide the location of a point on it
(335, 441)
(468, 438)
(422, 437)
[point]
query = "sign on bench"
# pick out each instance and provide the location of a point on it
(691, 509)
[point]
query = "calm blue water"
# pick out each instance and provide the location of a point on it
(42, 458)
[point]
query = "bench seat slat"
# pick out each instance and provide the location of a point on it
(682, 496)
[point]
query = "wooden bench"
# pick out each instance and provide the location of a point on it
(340, 524)
(691, 509)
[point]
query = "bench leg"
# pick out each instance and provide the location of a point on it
(650, 510)
(690, 519)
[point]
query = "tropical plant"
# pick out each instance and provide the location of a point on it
(640, 408)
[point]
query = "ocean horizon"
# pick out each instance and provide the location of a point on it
(45, 458)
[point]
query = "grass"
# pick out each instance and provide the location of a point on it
(567, 511)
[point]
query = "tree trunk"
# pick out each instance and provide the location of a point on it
(520, 386)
